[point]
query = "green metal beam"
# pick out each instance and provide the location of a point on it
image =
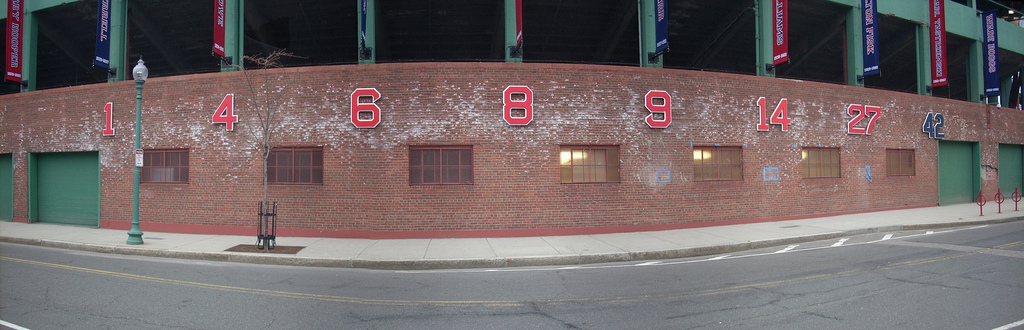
(34, 5)
(924, 65)
(366, 51)
(854, 45)
(975, 71)
(29, 51)
(648, 34)
(510, 34)
(119, 39)
(234, 34)
(763, 27)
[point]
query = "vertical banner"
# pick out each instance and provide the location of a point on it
(660, 26)
(15, 15)
(519, 24)
(219, 18)
(938, 41)
(991, 47)
(780, 44)
(870, 39)
(362, 24)
(102, 35)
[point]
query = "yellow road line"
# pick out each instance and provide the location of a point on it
(494, 303)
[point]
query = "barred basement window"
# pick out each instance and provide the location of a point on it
(899, 162)
(440, 165)
(586, 164)
(295, 166)
(165, 166)
(820, 162)
(717, 163)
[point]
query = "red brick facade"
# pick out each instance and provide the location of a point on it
(516, 186)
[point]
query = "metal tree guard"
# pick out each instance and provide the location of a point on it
(266, 230)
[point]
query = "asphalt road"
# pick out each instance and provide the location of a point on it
(961, 278)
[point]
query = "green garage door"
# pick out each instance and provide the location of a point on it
(1011, 168)
(67, 188)
(6, 187)
(959, 172)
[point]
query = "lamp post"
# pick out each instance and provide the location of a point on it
(140, 72)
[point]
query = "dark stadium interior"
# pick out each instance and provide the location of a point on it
(175, 37)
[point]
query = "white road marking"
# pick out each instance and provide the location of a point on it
(787, 249)
(12, 325)
(1011, 325)
(929, 232)
(672, 263)
(649, 263)
(840, 242)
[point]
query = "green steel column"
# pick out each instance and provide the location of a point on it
(510, 34)
(648, 34)
(763, 27)
(366, 48)
(29, 49)
(234, 34)
(855, 46)
(924, 60)
(118, 39)
(975, 70)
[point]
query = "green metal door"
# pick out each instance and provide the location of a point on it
(6, 187)
(1011, 168)
(959, 172)
(67, 188)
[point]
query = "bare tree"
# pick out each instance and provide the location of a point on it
(265, 101)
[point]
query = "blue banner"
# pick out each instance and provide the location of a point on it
(991, 51)
(102, 35)
(362, 24)
(870, 38)
(660, 26)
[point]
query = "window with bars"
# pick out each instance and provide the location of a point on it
(899, 162)
(165, 166)
(820, 162)
(588, 164)
(295, 166)
(717, 163)
(440, 165)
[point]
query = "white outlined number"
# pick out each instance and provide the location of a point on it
(779, 117)
(225, 113)
(658, 102)
(523, 101)
(933, 123)
(859, 112)
(108, 114)
(369, 108)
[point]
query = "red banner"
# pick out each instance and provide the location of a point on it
(15, 14)
(780, 44)
(219, 15)
(519, 23)
(938, 37)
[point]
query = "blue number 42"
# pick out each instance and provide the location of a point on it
(932, 125)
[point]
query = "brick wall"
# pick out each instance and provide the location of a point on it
(516, 187)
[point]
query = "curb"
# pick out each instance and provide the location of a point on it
(498, 262)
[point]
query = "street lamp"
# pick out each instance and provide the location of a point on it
(140, 72)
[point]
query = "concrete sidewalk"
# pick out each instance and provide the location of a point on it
(507, 252)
